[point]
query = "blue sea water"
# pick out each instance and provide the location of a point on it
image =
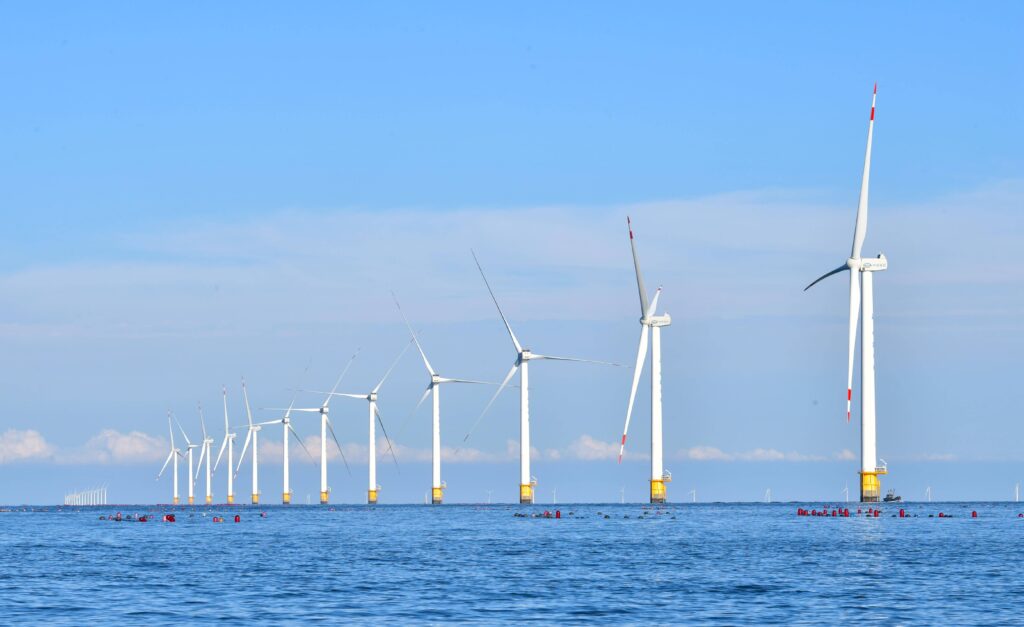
(729, 564)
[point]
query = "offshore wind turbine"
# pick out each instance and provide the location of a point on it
(173, 455)
(229, 443)
(437, 486)
(189, 447)
(862, 303)
(286, 423)
(207, 455)
(527, 483)
(254, 436)
(371, 398)
(325, 426)
(650, 323)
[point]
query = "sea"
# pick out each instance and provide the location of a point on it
(690, 564)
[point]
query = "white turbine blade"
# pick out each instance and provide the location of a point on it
(414, 338)
(245, 447)
(164, 467)
(170, 428)
(405, 421)
(224, 390)
(202, 420)
(245, 395)
(861, 228)
(299, 440)
(327, 400)
(827, 275)
(330, 428)
(270, 422)
(311, 410)
(641, 355)
(508, 377)
(222, 448)
(585, 361)
(515, 342)
(645, 307)
(393, 364)
(199, 466)
(654, 302)
(187, 441)
(380, 421)
(854, 313)
(469, 381)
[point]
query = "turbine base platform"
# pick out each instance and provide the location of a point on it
(286, 498)
(191, 500)
(255, 499)
(658, 492)
(870, 486)
(371, 497)
(323, 497)
(437, 495)
(526, 494)
(209, 500)
(176, 501)
(231, 499)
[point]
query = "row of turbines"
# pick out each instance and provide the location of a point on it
(651, 323)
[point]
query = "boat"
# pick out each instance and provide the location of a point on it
(891, 497)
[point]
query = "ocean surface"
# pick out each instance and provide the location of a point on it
(682, 563)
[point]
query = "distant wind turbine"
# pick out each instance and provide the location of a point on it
(527, 484)
(172, 456)
(188, 448)
(229, 443)
(253, 435)
(861, 272)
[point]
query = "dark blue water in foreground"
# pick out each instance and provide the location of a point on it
(711, 564)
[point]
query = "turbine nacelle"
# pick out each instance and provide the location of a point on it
(874, 264)
(663, 320)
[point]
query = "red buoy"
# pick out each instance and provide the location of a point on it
(974, 514)
(238, 518)
(558, 513)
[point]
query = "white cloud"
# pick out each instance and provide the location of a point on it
(25, 445)
(110, 446)
(711, 453)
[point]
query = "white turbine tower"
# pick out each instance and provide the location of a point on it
(229, 443)
(173, 455)
(206, 454)
(433, 388)
(286, 424)
(650, 323)
(861, 273)
(189, 447)
(254, 436)
(527, 484)
(371, 398)
(325, 426)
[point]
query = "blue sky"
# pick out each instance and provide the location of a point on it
(192, 195)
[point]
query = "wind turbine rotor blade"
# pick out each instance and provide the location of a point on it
(641, 355)
(469, 381)
(222, 448)
(330, 428)
(645, 306)
(515, 342)
(164, 467)
(245, 395)
(508, 377)
(269, 422)
(827, 275)
(202, 420)
(861, 228)
(393, 364)
(585, 361)
(413, 334)
(170, 427)
(654, 302)
(405, 421)
(854, 313)
(299, 440)
(187, 441)
(199, 466)
(224, 390)
(380, 421)
(245, 447)
(327, 400)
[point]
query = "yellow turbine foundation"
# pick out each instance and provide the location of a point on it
(286, 498)
(526, 494)
(209, 500)
(658, 492)
(177, 500)
(371, 497)
(870, 486)
(231, 499)
(191, 500)
(437, 495)
(323, 498)
(255, 499)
